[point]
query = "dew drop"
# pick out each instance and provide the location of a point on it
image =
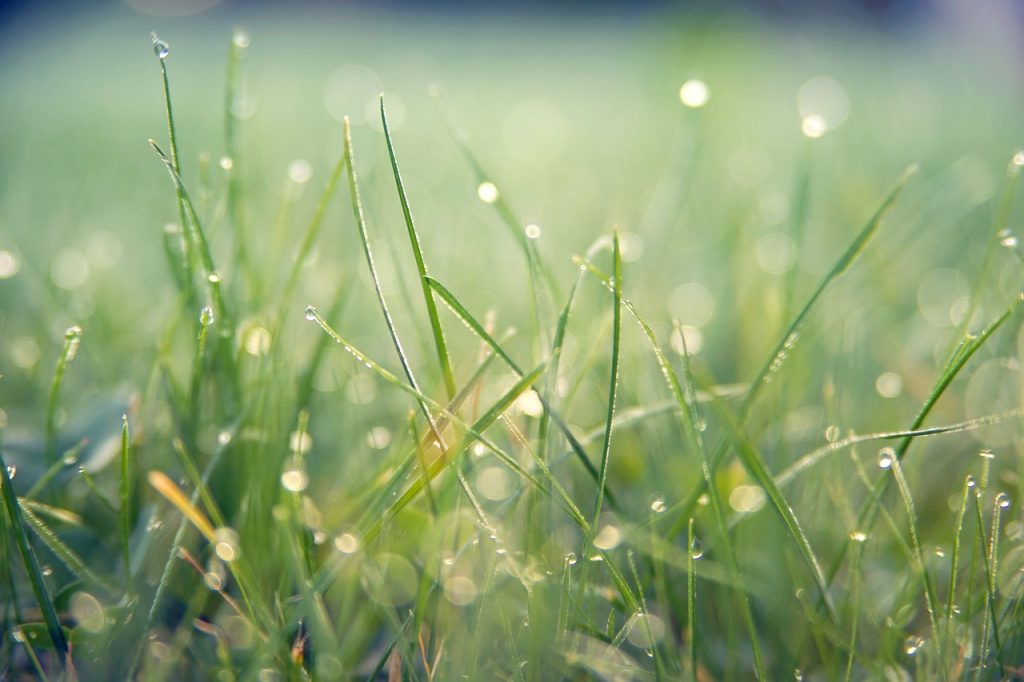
(224, 437)
(346, 543)
(970, 481)
(859, 536)
(694, 93)
(206, 316)
(532, 231)
(70, 459)
(658, 505)
(311, 313)
(798, 674)
(1003, 501)
(226, 544)
(886, 457)
(12, 471)
(300, 171)
(570, 558)
(160, 48)
(226, 163)
(832, 433)
(913, 645)
(294, 480)
(240, 39)
(1007, 238)
(987, 454)
(488, 192)
(1018, 159)
(18, 635)
(213, 278)
(696, 549)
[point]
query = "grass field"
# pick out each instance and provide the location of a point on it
(643, 381)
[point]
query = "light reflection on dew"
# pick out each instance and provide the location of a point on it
(813, 126)
(694, 93)
(488, 192)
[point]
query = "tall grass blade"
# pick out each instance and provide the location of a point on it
(421, 268)
(31, 564)
(72, 340)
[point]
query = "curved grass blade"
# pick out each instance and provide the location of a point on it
(28, 558)
(414, 241)
(67, 556)
(72, 340)
(126, 507)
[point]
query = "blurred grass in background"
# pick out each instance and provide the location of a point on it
(729, 215)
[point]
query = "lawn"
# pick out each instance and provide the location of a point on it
(485, 345)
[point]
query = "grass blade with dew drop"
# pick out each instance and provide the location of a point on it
(162, 52)
(72, 340)
(126, 507)
(67, 556)
(235, 98)
(931, 601)
(31, 564)
(357, 210)
(463, 314)
(414, 241)
(613, 385)
(691, 595)
(954, 560)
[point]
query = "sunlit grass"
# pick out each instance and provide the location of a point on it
(361, 443)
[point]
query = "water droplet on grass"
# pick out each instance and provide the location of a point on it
(532, 231)
(488, 192)
(858, 536)
(241, 39)
(886, 457)
(570, 558)
(970, 481)
(311, 313)
(1007, 238)
(658, 504)
(294, 480)
(913, 645)
(160, 48)
(987, 454)
(226, 163)
(694, 93)
(206, 316)
(1003, 501)
(346, 543)
(12, 471)
(226, 544)
(696, 548)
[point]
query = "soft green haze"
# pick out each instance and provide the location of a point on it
(561, 225)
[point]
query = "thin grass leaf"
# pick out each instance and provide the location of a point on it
(31, 564)
(126, 508)
(72, 340)
(691, 596)
(421, 268)
(67, 556)
(931, 601)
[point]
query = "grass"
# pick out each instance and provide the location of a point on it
(365, 440)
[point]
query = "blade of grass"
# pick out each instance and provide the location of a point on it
(414, 241)
(72, 340)
(126, 508)
(31, 564)
(931, 601)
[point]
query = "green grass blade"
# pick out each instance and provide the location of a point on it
(31, 564)
(126, 507)
(931, 601)
(414, 241)
(357, 210)
(72, 340)
(691, 596)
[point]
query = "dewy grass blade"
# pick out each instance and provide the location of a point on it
(414, 241)
(28, 558)
(357, 210)
(72, 340)
(126, 507)
(931, 601)
(613, 383)
(463, 314)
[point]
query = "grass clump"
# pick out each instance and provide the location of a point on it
(573, 501)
